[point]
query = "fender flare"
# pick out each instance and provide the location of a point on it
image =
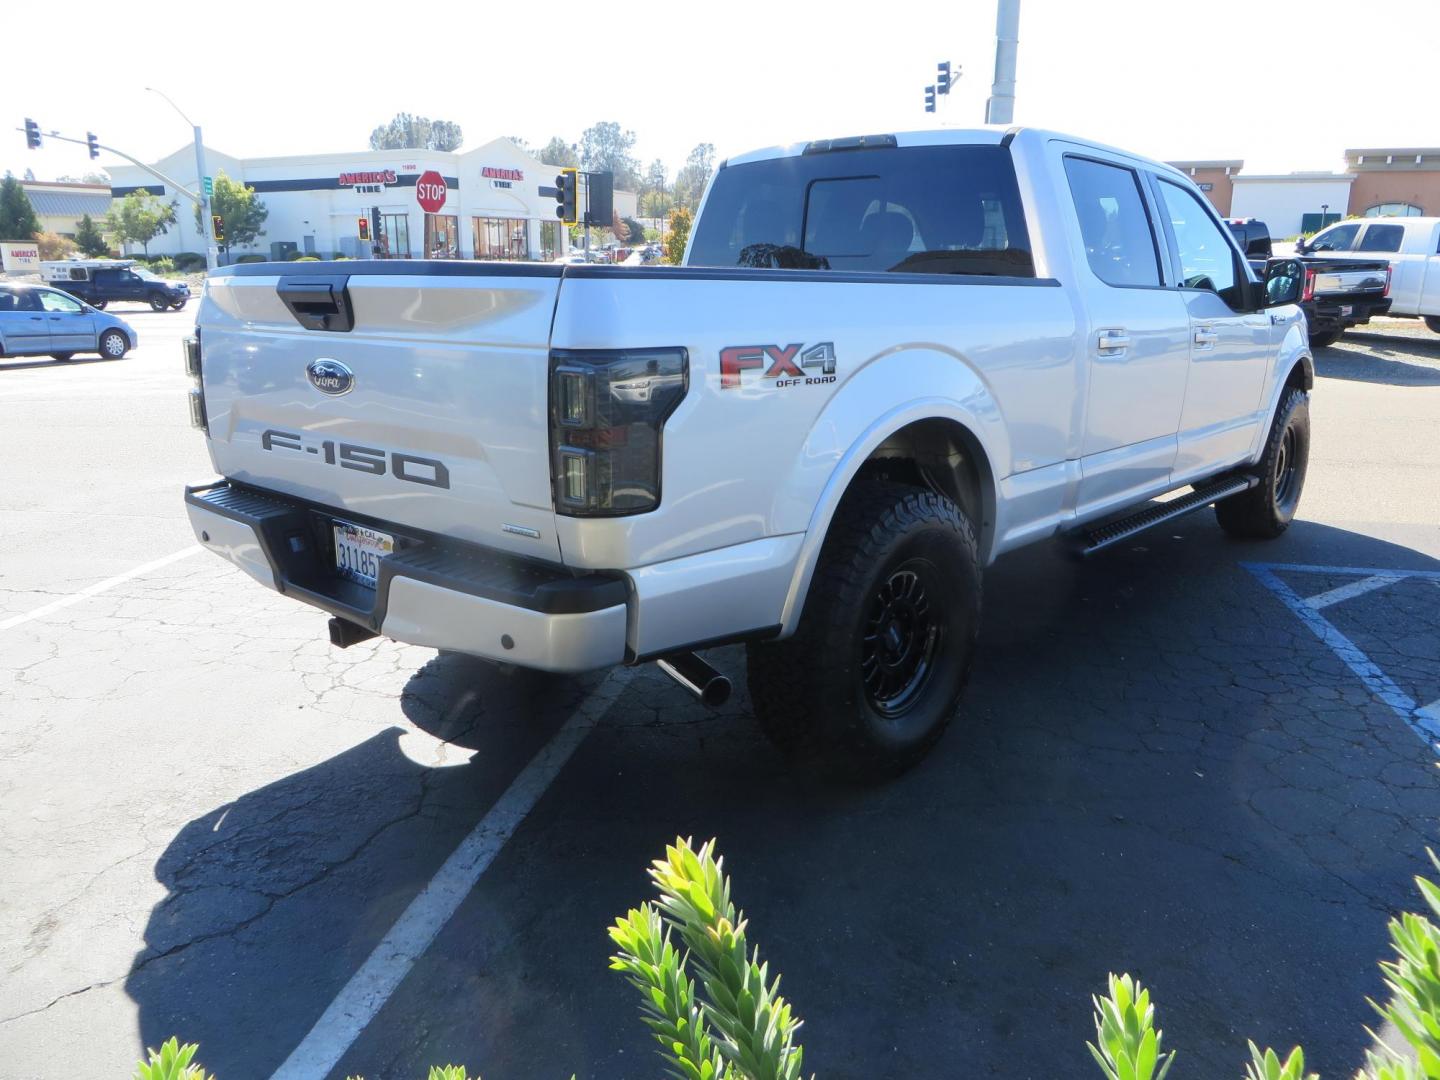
(1294, 349)
(973, 409)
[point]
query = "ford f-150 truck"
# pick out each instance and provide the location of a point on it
(885, 362)
(1410, 244)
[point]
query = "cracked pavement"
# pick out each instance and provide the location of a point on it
(211, 816)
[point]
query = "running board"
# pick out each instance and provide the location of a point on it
(1113, 532)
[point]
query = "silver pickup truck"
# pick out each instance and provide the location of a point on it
(886, 362)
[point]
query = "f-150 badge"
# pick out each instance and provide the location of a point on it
(815, 366)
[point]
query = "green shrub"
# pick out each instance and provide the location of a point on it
(253, 257)
(186, 261)
(172, 1062)
(308, 258)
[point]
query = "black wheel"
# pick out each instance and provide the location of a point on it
(875, 670)
(99, 305)
(113, 344)
(178, 305)
(1325, 338)
(61, 355)
(159, 302)
(1266, 510)
(1433, 322)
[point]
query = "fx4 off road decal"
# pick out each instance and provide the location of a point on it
(785, 364)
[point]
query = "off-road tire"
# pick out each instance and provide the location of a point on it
(1266, 510)
(61, 355)
(1325, 338)
(178, 305)
(109, 347)
(99, 305)
(158, 302)
(1433, 322)
(822, 695)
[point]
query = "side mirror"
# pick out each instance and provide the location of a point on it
(1283, 278)
(1301, 247)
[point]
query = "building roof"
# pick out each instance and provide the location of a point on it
(1297, 178)
(1394, 157)
(1234, 166)
(67, 200)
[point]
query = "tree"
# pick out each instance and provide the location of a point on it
(243, 214)
(407, 132)
(606, 148)
(54, 246)
(559, 153)
(656, 204)
(88, 238)
(139, 217)
(654, 178)
(694, 175)
(679, 234)
(635, 230)
(523, 144)
(17, 216)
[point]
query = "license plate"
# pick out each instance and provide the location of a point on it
(1347, 309)
(358, 552)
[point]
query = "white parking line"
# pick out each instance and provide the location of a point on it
(370, 987)
(97, 588)
(1346, 592)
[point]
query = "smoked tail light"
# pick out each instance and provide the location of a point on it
(607, 416)
(191, 347)
(1309, 293)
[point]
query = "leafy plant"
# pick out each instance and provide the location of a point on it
(139, 217)
(172, 1062)
(89, 239)
(17, 216)
(739, 1028)
(1266, 1065)
(54, 246)
(1127, 1043)
(238, 207)
(679, 235)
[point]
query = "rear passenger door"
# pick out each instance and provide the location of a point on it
(1136, 337)
(1385, 240)
(1229, 346)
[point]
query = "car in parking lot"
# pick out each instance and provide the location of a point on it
(37, 321)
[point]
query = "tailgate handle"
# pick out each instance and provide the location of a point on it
(318, 303)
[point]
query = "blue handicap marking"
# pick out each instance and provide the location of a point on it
(1337, 585)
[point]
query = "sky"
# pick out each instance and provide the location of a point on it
(1164, 78)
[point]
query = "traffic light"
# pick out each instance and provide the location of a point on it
(942, 80)
(32, 134)
(929, 99)
(363, 226)
(93, 143)
(218, 224)
(567, 196)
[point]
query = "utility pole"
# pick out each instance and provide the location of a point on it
(207, 224)
(1000, 109)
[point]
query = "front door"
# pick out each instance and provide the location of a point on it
(1137, 339)
(72, 328)
(23, 328)
(1229, 347)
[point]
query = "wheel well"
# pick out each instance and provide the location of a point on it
(1302, 375)
(945, 457)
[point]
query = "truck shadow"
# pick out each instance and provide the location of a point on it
(1381, 358)
(1158, 768)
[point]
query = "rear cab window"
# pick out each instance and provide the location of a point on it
(1382, 238)
(906, 210)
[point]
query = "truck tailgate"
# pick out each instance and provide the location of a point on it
(1337, 279)
(435, 418)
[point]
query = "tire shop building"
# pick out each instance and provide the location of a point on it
(473, 204)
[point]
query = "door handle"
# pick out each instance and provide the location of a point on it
(1112, 342)
(1205, 337)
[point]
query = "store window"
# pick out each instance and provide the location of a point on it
(549, 240)
(501, 238)
(442, 236)
(395, 236)
(1394, 209)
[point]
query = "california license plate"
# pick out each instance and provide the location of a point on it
(358, 552)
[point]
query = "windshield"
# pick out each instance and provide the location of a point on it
(141, 272)
(919, 210)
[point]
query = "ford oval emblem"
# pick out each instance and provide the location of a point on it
(330, 376)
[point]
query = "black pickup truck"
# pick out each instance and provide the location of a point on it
(99, 281)
(1336, 294)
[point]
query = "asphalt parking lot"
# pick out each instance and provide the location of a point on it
(1209, 763)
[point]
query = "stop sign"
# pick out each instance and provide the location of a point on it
(430, 191)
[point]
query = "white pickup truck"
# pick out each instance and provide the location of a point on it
(885, 362)
(1410, 244)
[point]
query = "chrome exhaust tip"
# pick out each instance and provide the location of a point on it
(708, 685)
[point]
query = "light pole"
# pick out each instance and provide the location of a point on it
(1000, 109)
(206, 224)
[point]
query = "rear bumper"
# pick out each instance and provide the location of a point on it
(431, 592)
(1330, 312)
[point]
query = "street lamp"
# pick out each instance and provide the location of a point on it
(206, 219)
